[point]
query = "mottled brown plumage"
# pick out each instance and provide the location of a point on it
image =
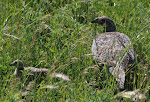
(113, 49)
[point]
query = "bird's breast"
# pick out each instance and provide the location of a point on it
(106, 48)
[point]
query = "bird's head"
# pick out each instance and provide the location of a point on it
(17, 63)
(106, 22)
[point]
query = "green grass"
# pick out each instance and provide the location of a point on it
(58, 35)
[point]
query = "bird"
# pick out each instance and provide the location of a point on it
(30, 73)
(112, 48)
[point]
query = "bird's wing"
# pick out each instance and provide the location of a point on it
(126, 43)
(106, 48)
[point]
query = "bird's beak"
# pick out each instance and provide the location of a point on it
(11, 64)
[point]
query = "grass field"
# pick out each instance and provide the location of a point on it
(58, 35)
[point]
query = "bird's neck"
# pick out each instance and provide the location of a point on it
(109, 29)
(20, 71)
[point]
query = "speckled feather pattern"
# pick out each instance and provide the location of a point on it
(110, 46)
(115, 50)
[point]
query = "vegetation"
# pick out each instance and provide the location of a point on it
(57, 34)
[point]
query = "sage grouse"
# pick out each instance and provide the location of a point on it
(30, 72)
(113, 49)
